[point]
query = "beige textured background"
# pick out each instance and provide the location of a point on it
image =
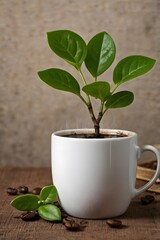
(30, 111)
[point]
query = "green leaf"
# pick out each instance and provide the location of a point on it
(60, 79)
(101, 52)
(49, 212)
(132, 67)
(100, 90)
(120, 99)
(25, 202)
(69, 46)
(48, 194)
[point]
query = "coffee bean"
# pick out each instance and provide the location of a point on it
(114, 223)
(68, 225)
(72, 226)
(36, 190)
(150, 197)
(23, 189)
(30, 216)
(83, 223)
(12, 191)
(67, 220)
(147, 199)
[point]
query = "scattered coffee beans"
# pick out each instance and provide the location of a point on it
(12, 191)
(72, 226)
(114, 223)
(36, 190)
(147, 199)
(30, 216)
(23, 189)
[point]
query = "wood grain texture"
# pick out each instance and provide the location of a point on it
(146, 174)
(142, 222)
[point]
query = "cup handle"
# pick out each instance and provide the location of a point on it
(157, 173)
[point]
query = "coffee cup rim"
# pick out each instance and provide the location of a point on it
(62, 133)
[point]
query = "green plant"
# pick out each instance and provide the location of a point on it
(44, 203)
(98, 56)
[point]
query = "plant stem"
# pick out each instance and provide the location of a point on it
(85, 83)
(101, 107)
(82, 76)
(83, 100)
(97, 125)
(115, 89)
(89, 105)
(94, 120)
(100, 115)
(97, 133)
(103, 112)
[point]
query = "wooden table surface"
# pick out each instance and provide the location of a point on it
(142, 222)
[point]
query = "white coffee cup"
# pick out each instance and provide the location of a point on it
(95, 178)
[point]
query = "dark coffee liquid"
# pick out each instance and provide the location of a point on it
(92, 135)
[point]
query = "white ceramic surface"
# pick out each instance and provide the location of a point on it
(95, 178)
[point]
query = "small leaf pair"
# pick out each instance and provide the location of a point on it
(43, 204)
(98, 54)
(101, 90)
